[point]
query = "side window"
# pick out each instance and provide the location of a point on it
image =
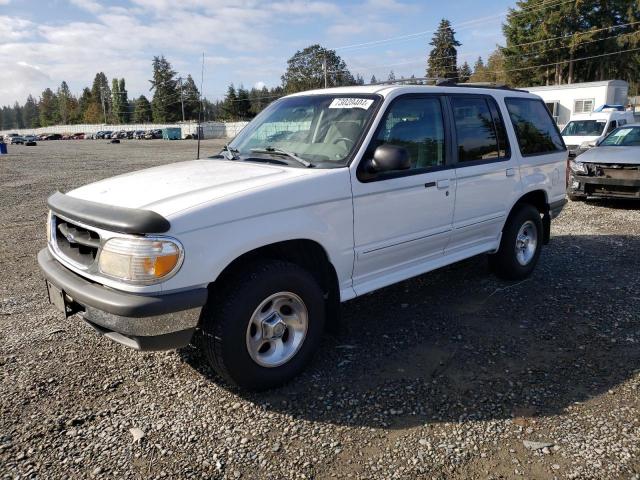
(612, 126)
(622, 122)
(534, 127)
(415, 124)
(475, 130)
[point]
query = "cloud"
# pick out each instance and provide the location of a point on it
(259, 85)
(88, 5)
(18, 78)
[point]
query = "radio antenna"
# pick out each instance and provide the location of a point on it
(201, 105)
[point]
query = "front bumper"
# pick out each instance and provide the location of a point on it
(600, 186)
(143, 322)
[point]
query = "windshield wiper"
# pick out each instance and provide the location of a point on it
(279, 151)
(230, 153)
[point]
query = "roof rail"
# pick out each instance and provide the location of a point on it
(447, 82)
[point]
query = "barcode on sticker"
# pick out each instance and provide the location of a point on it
(363, 103)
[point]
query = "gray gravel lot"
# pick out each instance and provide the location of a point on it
(454, 374)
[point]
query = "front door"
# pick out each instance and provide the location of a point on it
(402, 220)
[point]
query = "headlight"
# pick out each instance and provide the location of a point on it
(578, 167)
(587, 145)
(49, 227)
(140, 260)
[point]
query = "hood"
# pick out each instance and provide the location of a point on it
(612, 155)
(171, 188)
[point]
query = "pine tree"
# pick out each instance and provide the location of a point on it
(48, 108)
(479, 72)
(443, 58)
(116, 106)
(230, 104)
(30, 116)
(101, 97)
(373, 80)
(306, 70)
(391, 77)
(123, 113)
(65, 102)
(165, 104)
(142, 110)
(243, 104)
(85, 100)
(191, 98)
(464, 73)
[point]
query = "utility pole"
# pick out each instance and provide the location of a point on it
(104, 109)
(181, 97)
(324, 69)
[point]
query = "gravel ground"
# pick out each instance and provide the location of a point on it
(454, 374)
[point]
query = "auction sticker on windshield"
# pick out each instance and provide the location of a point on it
(363, 103)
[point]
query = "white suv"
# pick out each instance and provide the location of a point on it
(325, 196)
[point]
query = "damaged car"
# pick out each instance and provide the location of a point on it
(610, 169)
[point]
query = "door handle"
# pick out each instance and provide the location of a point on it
(442, 184)
(510, 172)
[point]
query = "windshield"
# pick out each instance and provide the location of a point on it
(584, 128)
(321, 130)
(623, 137)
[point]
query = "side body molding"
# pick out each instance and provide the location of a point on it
(108, 217)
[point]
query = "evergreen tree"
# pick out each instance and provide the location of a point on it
(243, 104)
(391, 77)
(306, 70)
(65, 102)
(48, 108)
(230, 104)
(100, 111)
(443, 58)
(85, 100)
(464, 73)
(191, 98)
(30, 116)
(373, 80)
(123, 113)
(165, 103)
(479, 72)
(543, 44)
(142, 110)
(116, 106)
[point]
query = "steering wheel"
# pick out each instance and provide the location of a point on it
(344, 139)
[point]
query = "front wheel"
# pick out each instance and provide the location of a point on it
(263, 327)
(520, 244)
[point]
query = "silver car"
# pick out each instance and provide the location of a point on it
(610, 169)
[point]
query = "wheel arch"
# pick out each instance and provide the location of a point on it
(308, 254)
(540, 200)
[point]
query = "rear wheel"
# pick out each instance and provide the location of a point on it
(520, 244)
(263, 327)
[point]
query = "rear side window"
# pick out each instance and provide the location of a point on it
(475, 131)
(535, 130)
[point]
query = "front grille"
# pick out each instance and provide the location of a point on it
(78, 244)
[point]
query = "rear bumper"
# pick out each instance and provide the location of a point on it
(143, 322)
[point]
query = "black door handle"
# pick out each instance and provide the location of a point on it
(429, 184)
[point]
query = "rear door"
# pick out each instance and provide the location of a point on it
(402, 219)
(487, 174)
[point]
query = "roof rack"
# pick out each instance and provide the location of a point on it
(445, 82)
(448, 82)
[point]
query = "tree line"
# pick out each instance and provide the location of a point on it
(545, 45)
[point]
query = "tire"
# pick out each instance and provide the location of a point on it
(577, 198)
(253, 330)
(510, 262)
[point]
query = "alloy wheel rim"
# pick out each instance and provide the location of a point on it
(277, 329)
(526, 243)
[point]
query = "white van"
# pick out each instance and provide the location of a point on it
(584, 130)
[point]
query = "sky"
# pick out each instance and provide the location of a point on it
(244, 42)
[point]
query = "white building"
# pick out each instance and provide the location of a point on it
(566, 100)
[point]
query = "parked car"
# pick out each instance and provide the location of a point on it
(16, 140)
(585, 130)
(610, 169)
(8, 136)
(139, 134)
(153, 134)
(53, 136)
(253, 249)
(78, 136)
(30, 138)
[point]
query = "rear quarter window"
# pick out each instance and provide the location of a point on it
(535, 129)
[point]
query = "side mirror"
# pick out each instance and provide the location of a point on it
(387, 158)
